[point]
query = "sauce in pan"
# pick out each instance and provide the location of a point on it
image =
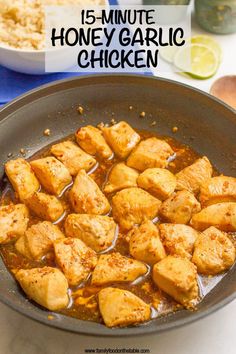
(83, 299)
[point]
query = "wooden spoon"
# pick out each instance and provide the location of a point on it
(225, 89)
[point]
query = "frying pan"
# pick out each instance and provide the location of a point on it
(204, 123)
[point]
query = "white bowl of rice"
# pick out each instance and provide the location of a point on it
(22, 33)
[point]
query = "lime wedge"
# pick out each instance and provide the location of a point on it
(197, 60)
(209, 42)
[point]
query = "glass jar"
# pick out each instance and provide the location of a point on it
(217, 16)
(171, 16)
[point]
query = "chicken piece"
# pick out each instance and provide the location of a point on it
(213, 252)
(178, 239)
(179, 207)
(133, 206)
(38, 240)
(75, 259)
(157, 181)
(178, 278)
(221, 215)
(47, 286)
(22, 178)
(13, 222)
(73, 157)
(120, 177)
(122, 138)
(45, 206)
(217, 190)
(114, 267)
(22, 247)
(193, 176)
(86, 197)
(150, 153)
(92, 141)
(96, 231)
(145, 244)
(52, 174)
(120, 307)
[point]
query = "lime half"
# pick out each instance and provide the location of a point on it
(209, 42)
(197, 60)
(168, 53)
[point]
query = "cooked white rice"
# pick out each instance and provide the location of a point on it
(22, 21)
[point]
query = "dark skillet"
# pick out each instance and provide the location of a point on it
(204, 123)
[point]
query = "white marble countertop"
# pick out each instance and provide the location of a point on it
(212, 335)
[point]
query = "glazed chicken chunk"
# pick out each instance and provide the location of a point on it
(221, 215)
(47, 286)
(73, 157)
(193, 176)
(38, 240)
(217, 190)
(13, 222)
(157, 181)
(179, 207)
(213, 252)
(96, 231)
(145, 244)
(178, 278)
(178, 239)
(22, 178)
(117, 268)
(122, 138)
(150, 153)
(75, 259)
(45, 206)
(52, 174)
(86, 197)
(92, 141)
(133, 206)
(120, 177)
(122, 308)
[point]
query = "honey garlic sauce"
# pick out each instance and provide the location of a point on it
(83, 304)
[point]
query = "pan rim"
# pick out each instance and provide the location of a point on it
(101, 76)
(120, 332)
(18, 103)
